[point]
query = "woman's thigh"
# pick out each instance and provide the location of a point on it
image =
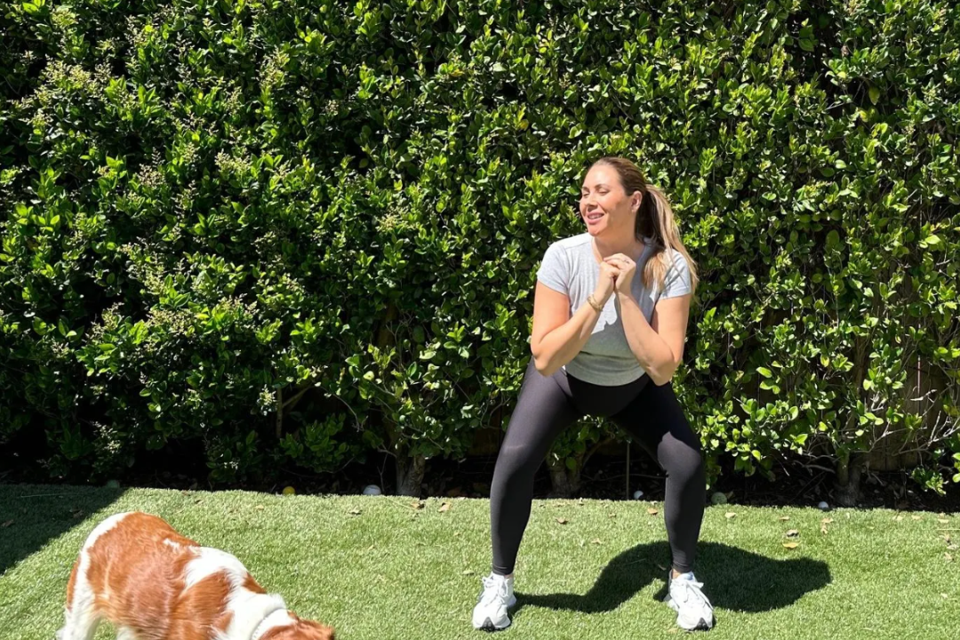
(543, 411)
(655, 415)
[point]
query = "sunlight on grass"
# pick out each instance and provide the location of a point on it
(386, 567)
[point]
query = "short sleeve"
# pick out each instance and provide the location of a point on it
(554, 271)
(677, 279)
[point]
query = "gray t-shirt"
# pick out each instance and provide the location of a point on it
(570, 267)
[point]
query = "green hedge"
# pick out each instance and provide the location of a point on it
(292, 233)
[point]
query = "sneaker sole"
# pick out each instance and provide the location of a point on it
(489, 627)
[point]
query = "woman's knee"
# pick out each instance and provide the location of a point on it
(682, 459)
(516, 461)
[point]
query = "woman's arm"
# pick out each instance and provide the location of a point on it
(657, 345)
(556, 337)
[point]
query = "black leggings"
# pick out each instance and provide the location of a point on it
(650, 413)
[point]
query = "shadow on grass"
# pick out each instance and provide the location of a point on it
(733, 579)
(33, 515)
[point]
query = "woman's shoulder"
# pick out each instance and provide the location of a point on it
(676, 259)
(572, 243)
(677, 279)
(567, 254)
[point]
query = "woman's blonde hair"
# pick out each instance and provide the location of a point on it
(654, 220)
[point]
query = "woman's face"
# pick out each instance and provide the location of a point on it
(604, 206)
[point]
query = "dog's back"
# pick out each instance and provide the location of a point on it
(151, 583)
(129, 572)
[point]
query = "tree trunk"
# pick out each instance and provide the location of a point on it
(848, 480)
(410, 470)
(565, 482)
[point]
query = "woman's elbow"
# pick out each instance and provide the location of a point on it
(662, 375)
(543, 367)
(657, 379)
(541, 363)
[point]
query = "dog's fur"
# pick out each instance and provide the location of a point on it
(151, 583)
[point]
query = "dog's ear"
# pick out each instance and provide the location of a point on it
(301, 630)
(324, 632)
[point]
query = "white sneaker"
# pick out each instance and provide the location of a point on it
(490, 614)
(684, 595)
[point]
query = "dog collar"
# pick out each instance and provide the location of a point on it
(267, 621)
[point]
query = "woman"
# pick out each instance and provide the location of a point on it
(606, 341)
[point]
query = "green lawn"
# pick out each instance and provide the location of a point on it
(376, 568)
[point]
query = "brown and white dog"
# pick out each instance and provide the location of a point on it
(151, 583)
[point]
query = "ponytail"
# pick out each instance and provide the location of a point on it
(655, 222)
